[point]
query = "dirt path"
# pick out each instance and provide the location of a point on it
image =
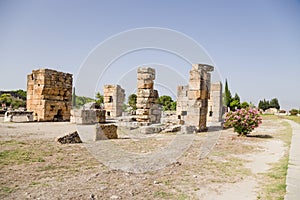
(34, 166)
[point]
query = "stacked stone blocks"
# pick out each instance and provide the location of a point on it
(49, 95)
(192, 100)
(114, 97)
(147, 97)
(215, 103)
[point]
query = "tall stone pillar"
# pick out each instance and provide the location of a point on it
(147, 97)
(198, 94)
(215, 104)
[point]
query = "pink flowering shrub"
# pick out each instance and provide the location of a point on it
(243, 120)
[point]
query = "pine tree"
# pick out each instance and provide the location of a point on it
(227, 95)
(73, 98)
(274, 103)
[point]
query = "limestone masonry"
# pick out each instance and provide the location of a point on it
(192, 100)
(49, 95)
(147, 108)
(114, 97)
(215, 103)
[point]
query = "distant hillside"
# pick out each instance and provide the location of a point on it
(81, 100)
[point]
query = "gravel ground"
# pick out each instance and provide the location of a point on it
(34, 166)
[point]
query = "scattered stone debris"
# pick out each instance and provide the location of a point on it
(187, 129)
(150, 129)
(172, 129)
(70, 138)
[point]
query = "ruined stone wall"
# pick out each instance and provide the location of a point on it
(147, 108)
(215, 104)
(114, 97)
(192, 100)
(89, 116)
(49, 95)
(182, 101)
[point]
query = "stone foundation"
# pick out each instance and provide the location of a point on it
(90, 116)
(18, 116)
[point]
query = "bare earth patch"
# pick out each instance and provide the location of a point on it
(33, 165)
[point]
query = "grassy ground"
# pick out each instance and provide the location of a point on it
(293, 118)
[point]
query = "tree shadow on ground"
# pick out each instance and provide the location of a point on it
(261, 136)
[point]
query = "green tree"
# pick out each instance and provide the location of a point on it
(236, 97)
(132, 101)
(274, 103)
(21, 93)
(264, 104)
(99, 99)
(16, 103)
(166, 102)
(173, 105)
(227, 95)
(294, 111)
(6, 99)
(234, 104)
(244, 105)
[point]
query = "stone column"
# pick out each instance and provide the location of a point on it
(215, 103)
(198, 94)
(114, 97)
(146, 96)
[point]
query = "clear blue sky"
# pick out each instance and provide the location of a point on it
(255, 44)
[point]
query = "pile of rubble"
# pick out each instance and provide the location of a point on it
(70, 138)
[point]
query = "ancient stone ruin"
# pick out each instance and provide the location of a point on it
(49, 95)
(70, 138)
(148, 111)
(215, 104)
(192, 100)
(88, 116)
(114, 97)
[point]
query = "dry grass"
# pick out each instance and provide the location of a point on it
(274, 181)
(293, 118)
(24, 163)
(46, 169)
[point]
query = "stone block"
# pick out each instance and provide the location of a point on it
(106, 131)
(70, 138)
(187, 129)
(150, 129)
